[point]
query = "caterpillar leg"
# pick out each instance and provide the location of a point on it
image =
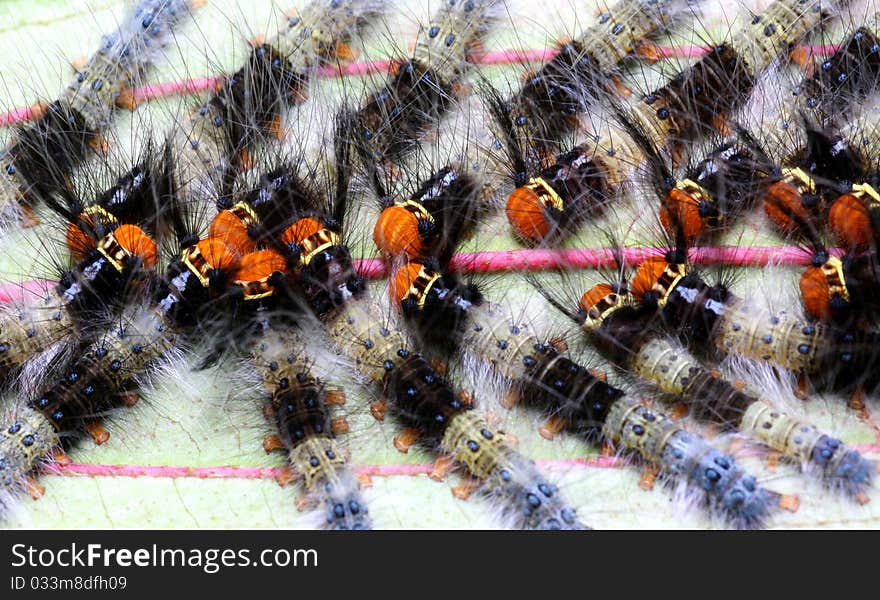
(405, 440)
(97, 432)
(464, 490)
(441, 467)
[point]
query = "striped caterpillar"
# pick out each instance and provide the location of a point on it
(298, 407)
(65, 133)
(422, 89)
(552, 198)
(214, 139)
(624, 333)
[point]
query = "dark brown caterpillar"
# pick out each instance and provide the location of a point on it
(299, 409)
(698, 100)
(213, 141)
(546, 106)
(45, 152)
(424, 87)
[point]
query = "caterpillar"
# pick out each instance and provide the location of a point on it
(623, 331)
(113, 240)
(298, 405)
(214, 139)
(66, 132)
(422, 88)
(699, 99)
(546, 105)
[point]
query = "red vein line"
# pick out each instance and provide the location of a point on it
(390, 470)
(236, 472)
(501, 261)
(500, 57)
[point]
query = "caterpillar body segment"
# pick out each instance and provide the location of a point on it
(31, 329)
(95, 382)
(27, 437)
(556, 194)
(426, 401)
(433, 219)
(300, 413)
(122, 61)
(847, 76)
(838, 465)
(713, 317)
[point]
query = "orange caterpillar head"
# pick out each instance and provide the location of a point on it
(211, 261)
(402, 229)
(255, 272)
(94, 218)
(792, 200)
(308, 237)
(530, 209)
(647, 276)
(850, 220)
(823, 288)
(656, 276)
(688, 206)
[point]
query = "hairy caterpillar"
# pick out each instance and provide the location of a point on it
(214, 139)
(298, 404)
(111, 238)
(552, 198)
(422, 89)
(45, 152)
(699, 99)
(545, 107)
(623, 332)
